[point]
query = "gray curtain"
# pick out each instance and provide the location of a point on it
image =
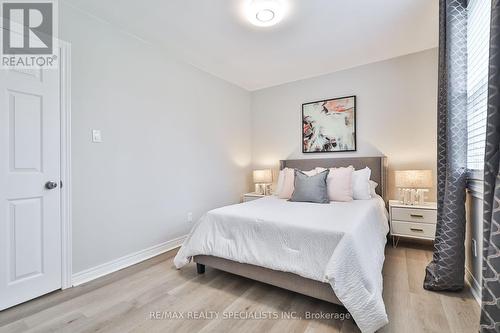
(446, 271)
(490, 307)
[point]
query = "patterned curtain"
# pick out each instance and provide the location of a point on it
(490, 307)
(446, 271)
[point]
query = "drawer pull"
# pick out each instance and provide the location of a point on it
(416, 215)
(417, 229)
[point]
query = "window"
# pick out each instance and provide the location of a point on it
(478, 33)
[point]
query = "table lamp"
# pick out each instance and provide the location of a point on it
(262, 180)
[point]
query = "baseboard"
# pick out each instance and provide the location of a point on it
(475, 287)
(125, 261)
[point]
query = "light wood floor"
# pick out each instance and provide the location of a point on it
(122, 302)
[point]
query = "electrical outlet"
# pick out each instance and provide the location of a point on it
(190, 217)
(474, 248)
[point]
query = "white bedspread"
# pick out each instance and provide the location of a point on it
(341, 243)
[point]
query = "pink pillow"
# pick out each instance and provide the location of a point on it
(339, 183)
(288, 184)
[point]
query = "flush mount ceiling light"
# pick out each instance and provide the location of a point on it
(265, 13)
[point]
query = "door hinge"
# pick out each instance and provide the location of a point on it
(61, 184)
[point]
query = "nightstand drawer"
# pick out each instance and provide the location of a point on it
(414, 215)
(420, 230)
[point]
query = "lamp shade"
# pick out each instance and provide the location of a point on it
(414, 178)
(262, 176)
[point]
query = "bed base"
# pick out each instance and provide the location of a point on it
(200, 268)
(290, 281)
(285, 280)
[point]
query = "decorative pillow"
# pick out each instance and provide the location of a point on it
(361, 184)
(311, 172)
(310, 188)
(288, 179)
(339, 183)
(285, 190)
(373, 186)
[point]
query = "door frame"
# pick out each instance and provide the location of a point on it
(66, 200)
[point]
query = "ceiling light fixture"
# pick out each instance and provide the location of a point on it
(265, 13)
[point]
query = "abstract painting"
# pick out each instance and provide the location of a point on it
(329, 125)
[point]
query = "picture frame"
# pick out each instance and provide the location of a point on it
(329, 125)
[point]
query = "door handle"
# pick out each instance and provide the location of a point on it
(50, 185)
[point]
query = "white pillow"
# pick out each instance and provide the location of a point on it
(361, 189)
(373, 186)
(339, 183)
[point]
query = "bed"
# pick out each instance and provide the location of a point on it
(333, 252)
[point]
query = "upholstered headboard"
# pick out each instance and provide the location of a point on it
(377, 164)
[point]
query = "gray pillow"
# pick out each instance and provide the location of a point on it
(310, 189)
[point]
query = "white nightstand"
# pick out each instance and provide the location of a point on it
(251, 196)
(416, 221)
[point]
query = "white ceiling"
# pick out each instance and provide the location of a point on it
(316, 37)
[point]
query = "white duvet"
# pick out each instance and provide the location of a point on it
(341, 243)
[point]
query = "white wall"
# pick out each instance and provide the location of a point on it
(396, 113)
(177, 139)
(172, 135)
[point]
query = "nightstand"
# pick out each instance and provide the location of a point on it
(415, 221)
(251, 196)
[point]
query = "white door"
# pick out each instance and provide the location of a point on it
(30, 212)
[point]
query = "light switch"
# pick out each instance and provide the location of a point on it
(96, 136)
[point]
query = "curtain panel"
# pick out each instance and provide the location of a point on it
(446, 271)
(490, 307)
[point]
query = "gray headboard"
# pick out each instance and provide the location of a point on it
(377, 164)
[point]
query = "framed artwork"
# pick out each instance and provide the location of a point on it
(329, 125)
